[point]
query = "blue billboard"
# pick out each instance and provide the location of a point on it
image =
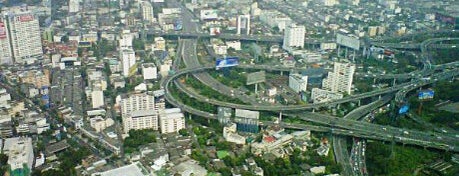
(426, 94)
(404, 109)
(227, 62)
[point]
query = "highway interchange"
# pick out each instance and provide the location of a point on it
(347, 126)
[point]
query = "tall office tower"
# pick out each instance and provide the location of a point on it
(6, 56)
(74, 6)
(138, 112)
(340, 80)
(243, 23)
(147, 11)
(294, 36)
(128, 61)
(136, 102)
(24, 34)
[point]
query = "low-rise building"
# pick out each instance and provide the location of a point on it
(20, 154)
(230, 134)
(320, 95)
(100, 124)
(171, 120)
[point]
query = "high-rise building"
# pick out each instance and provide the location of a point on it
(147, 11)
(138, 112)
(298, 82)
(74, 6)
(135, 102)
(24, 34)
(128, 61)
(340, 80)
(243, 23)
(294, 36)
(6, 56)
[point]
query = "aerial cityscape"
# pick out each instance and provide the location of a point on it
(229, 88)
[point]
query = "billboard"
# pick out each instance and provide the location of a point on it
(426, 94)
(209, 14)
(348, 41)
(2, 30)
(256, 77)
(227, 62)
(404, 109)
(25, 18)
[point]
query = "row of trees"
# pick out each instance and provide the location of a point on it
(138, 138)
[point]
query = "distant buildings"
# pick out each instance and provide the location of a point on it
(294, 36)
(38, 78)
(298, 82)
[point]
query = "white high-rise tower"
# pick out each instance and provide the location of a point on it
(243, 22)
(24, 33)
(340, 80)
(294, 36)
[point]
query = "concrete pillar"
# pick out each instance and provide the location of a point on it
(394, 82)
(282, 73)
(313, 110)
(280, 117)
(337, 106)
(353, 57)
(379, 98)
(256, 88)
(358, 104)
(374, 80)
